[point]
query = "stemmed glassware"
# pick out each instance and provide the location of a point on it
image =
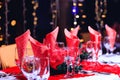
(45, 68)
(112, 49)
(60, 44)
(30, 67)
(90, 49)
(71, 61)
(106, 44)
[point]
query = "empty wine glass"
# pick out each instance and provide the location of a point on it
(106, 44)
(60, 44)
(30, 67)
(112, 49)
(45, 68)
(17, 62)
(90, 49)
(70, 60)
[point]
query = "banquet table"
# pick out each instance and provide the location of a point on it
(90, 76)
(93, 70)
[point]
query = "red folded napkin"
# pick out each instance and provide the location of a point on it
(98, 67)
(71, 40)
(111, 34)
(21, 43)
(75, 30)
(95, 36)
(39, 49)
(51, 38)
(56, 57)
(13, 70)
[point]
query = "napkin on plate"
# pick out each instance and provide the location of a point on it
(51, 38)
(21, 44)
(71, 40)
(75, 30)
(111, 34)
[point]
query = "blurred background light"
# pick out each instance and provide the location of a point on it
(13, 22)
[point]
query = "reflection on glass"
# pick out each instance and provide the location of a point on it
(106, 44)
(30, 67)
(45, 68)
(60, 44)
(71, 61)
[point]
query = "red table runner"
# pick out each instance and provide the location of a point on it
(87, 65)
(98, 67)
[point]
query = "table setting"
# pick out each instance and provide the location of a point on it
(52, 60)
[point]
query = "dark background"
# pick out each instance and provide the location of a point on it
(44, 17)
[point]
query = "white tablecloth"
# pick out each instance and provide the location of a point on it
(110, 59)
(97, 77)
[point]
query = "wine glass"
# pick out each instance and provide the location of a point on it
(45, 68)
(60, 44)
(112, 49)
(90, 49)
(70, 60)
(30, 67)
(17, 62)
(106, 44)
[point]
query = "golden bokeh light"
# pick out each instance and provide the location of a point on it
(33, 2)
(84, 16)
(34, 13)
(71, 29)
(0, 5)
(0, 17)
(35, 22)
(80, 4)
(35, 18)
(1, 37)
(103, 16)
(0, 28)
(13, 22)
(74, 4)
